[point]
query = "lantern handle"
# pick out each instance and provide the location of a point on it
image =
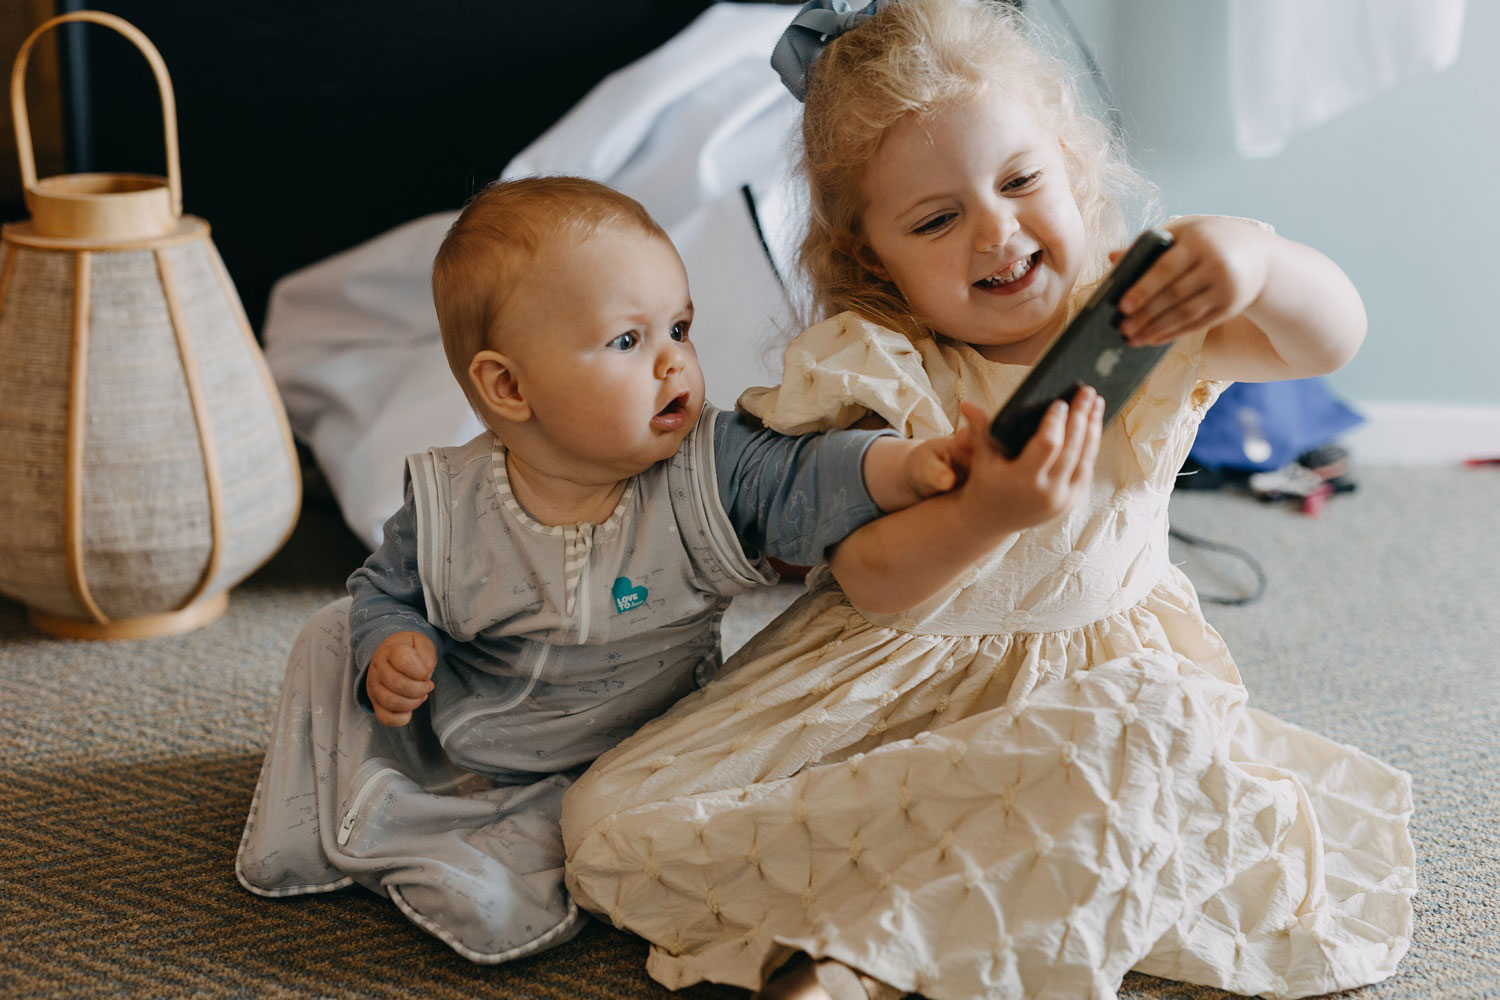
(163, 83)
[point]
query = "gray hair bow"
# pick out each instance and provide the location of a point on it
(810, 30)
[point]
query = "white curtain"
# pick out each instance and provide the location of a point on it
(1294, 64)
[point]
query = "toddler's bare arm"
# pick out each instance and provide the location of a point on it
(1275, 309)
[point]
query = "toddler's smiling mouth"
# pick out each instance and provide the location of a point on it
(1011, 278)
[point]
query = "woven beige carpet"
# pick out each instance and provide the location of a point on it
(128, 766)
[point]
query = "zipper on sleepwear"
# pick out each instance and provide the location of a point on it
(357, 804)
(584, 583)
(481, 711)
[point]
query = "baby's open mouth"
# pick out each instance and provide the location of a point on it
(1013, 273)
(677, 405)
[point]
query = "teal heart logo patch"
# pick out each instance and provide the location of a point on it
(627, 595)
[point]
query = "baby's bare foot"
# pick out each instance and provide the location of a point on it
(796, 980)
(825, 979)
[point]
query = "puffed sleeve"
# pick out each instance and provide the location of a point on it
(1162, 419)
(842, 369)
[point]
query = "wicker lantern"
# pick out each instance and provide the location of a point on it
(146, 464)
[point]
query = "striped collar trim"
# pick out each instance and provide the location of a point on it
(507, 497)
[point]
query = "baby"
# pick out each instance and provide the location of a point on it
(551, 585)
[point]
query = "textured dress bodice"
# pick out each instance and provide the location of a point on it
(1100, 558)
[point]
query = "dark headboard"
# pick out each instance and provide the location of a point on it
(307, 126)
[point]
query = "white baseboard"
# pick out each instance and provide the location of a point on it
(1424, 433)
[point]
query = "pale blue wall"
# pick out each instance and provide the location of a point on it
(1403, 191)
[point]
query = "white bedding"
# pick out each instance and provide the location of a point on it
(695, 131)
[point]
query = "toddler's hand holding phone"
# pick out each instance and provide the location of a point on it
(400, 676)
(1050, 475)
(897, 562)
(1215, 268)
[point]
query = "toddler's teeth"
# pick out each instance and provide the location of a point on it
(1015, 272)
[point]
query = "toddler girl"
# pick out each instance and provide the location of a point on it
(556, 581)
(1045, 774)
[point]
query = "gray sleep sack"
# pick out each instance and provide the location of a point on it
(565, 640)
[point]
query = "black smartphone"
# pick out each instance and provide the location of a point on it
(1091, 351)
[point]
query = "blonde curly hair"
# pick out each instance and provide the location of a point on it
(913, 58)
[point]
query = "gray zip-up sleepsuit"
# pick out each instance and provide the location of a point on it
(554, 643)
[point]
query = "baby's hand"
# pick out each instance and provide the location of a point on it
(1213, 271)
(900, 472)
(936, 465)
(400, 676)
(1052, 473)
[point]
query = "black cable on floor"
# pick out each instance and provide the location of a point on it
(1229, 550)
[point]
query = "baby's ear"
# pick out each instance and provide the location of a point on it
(493, 377)
(865, 256)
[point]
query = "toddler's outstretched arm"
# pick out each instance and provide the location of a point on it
(1276, 309)
(904, 558)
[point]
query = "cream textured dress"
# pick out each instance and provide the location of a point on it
(1038, 780)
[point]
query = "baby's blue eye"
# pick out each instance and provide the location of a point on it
(625, 341)
(679, 331)
(935, 223)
